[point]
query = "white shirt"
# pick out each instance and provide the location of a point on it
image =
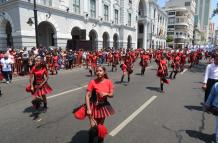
(6, 64)
(211, 72)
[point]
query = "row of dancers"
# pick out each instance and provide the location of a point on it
(101, 88)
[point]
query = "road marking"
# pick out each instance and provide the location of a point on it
(131, 117)
(65, 92)
(184, 71)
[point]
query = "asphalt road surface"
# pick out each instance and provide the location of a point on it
(143, 114)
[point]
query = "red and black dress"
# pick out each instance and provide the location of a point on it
(38, 80)
(100, 106)
(54, 63)
(162, 71)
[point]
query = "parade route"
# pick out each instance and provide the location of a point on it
(170, 117)
(131, 117)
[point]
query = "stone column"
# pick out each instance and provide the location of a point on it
(145, 36)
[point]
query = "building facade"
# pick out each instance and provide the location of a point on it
(158, 26)
(202, 16)
(89, 24)
(211, 35)
(180, 22)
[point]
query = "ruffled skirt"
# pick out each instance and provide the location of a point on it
(45, 89)
(102, 110)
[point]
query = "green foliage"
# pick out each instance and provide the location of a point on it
(215, 11)
(169, 39)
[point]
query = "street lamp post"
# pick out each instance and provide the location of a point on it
(36, 24)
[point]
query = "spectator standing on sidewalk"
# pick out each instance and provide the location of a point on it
(211, 76)
(6, 63)
(211, 105)
(25, 60)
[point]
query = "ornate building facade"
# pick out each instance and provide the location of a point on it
(90, 24)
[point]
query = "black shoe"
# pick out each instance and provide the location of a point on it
(44, 109)
(100, 140)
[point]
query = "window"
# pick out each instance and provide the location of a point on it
(50, 3)
(170, 33)
(171, 26)
(76, 6)
(187, 3)
(105, 12)
(154, 13)
(171, 21)
(141, 28)
(171, 13)
(129, 19)
(116, 16)
(93, 8)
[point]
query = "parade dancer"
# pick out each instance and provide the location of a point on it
(128, 63)
(144, 62)
(54, 67)
(93, 64)
(162, 72)
(115, 61)
(98, 107)
(124, 70)
(38, 83)
(183, 62)
(175, 65)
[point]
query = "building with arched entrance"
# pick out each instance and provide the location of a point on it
(75, 24)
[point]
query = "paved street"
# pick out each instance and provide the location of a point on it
(143, 115)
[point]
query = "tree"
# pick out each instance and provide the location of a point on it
(169, 39)
(215, 11)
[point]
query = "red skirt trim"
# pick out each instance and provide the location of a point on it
(45, 89)
(101, 111)
(1, 76)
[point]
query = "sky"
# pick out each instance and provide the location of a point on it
(213, 6)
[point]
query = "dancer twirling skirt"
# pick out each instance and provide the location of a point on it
(98, 107)
(162, 72)
(38, 83)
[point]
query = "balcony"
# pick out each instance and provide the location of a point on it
(181, 13)
(179, 40)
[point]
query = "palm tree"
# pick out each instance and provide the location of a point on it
(215, 11)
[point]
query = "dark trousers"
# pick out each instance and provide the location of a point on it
(25, 66)
(210, 83)
(7, 75)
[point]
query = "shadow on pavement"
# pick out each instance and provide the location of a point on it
(201, 136)
(153, 69)
(33, 112)
(80, 137)
(197, 108)
(157, 89)
(138, 74)
(28, 110)
(200, 68)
